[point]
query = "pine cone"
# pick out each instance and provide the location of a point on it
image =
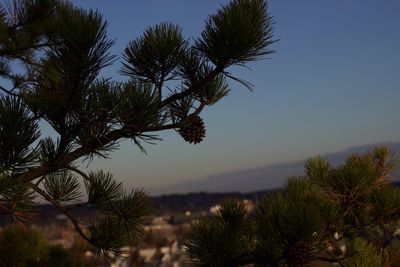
(194, 130)
(299, 254)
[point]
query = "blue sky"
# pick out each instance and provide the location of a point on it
(334, 83)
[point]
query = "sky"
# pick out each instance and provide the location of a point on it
(333, 83)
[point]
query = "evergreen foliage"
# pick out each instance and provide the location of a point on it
(21, 247)
(62, 49)
(345, 215)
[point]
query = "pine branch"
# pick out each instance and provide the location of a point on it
(199, 108)
(92, 117)
(91, 181)
(8, 92)
(15, 52)
(177, 96)
(61, 208)
(85, 149)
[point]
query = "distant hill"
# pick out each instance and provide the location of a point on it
(262, 178)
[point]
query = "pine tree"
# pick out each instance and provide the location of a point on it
(345, 215)
(51, 54)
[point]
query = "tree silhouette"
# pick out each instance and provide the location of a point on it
(51, 54)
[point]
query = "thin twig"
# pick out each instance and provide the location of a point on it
(61, 208)
(8, 92)
(193, 88)
(89, 179)
(200, 108)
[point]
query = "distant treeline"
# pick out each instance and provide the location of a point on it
(198, 201)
